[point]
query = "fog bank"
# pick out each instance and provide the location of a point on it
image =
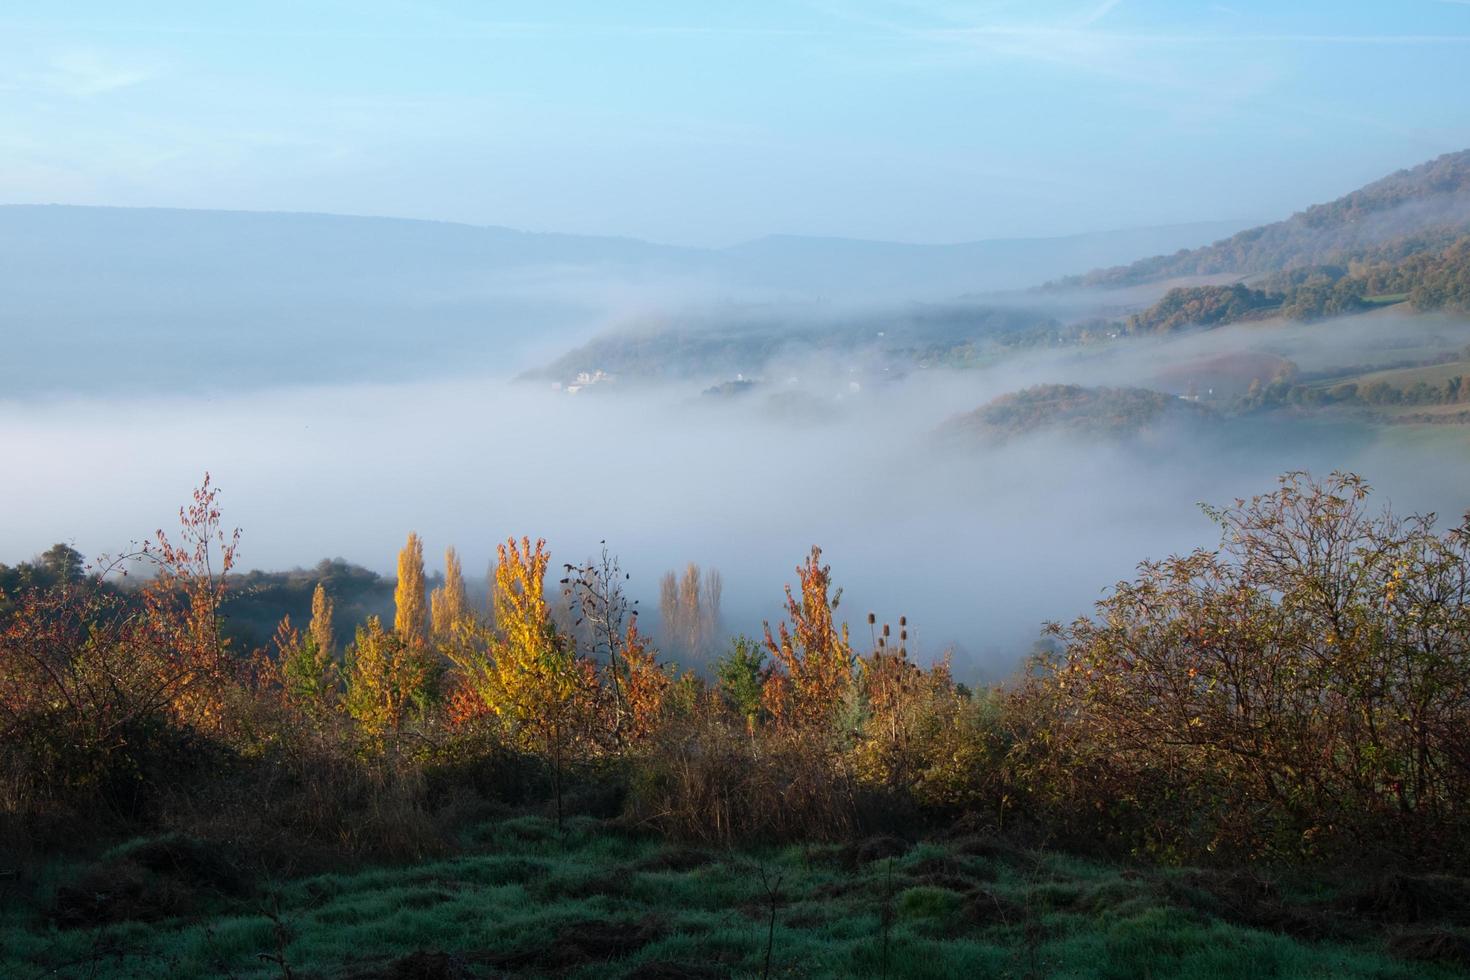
(977, 546)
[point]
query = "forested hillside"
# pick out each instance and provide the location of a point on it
(1415, 210)
(1436, 279)
(1074, 409)
(749, 342)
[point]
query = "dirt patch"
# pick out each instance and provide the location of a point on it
(984, 847)
(806, 918)
(429, 965)
(1254, 901)
(675, 859)
(1405, 899)
(676, 970)
(584, 943)
(985, 908)
(862, 852)
(159, 879)
(205, 865)
(944, 871)
(611, 883)
(1432, 946)
(843, 888)
(949, 882)
(425, 899)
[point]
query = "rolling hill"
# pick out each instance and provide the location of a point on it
(1075, 410)
(101, 299)
(1412, 211)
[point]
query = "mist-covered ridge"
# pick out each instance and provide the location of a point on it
(1423, 207)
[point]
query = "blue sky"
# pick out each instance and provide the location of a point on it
(705, 123)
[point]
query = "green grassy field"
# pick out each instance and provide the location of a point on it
(597, 901)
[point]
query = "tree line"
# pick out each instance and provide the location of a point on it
(1299, 693)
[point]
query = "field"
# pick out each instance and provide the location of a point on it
(598, 900)
(1401, 378)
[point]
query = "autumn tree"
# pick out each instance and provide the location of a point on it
(811, 656)
(711, 595)
(647, 683)
(410, 613)
(90, 676)
(1302, 688)
(689, 606)
(306, 672)
(182, 606)
(387, 677)
(449, 604)
(322, 628)
(529, 674)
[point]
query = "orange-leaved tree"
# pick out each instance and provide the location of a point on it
(647, 683)
(182, 608)
(88, 675)
(811, 657)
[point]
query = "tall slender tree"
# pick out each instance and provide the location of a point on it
(449, 605)
(322, 626)
(812, 656)
(709, 614)
(543, 692)
(689, 606)
(668, 610)
(410, 613)
(691, 625)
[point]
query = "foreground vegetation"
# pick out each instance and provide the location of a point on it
(598, 900)
(1288, 713)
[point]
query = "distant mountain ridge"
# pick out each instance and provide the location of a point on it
(840, 266)
(1412, 211)
(43, 238)
(100, 297)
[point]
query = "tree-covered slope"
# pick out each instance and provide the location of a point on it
(1074, 409)
(1420, 209)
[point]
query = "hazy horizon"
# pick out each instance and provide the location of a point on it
(1205, 223)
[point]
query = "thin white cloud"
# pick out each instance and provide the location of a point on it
(1071, 39)
(1072, 35)
(1097, 14)
(83, 72)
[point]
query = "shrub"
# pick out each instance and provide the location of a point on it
(1303, 691)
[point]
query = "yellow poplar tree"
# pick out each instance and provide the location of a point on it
(410, 615)
(320, 630)
(449, 605)
(531, 677)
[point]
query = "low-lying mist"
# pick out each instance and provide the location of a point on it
(976, 545)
